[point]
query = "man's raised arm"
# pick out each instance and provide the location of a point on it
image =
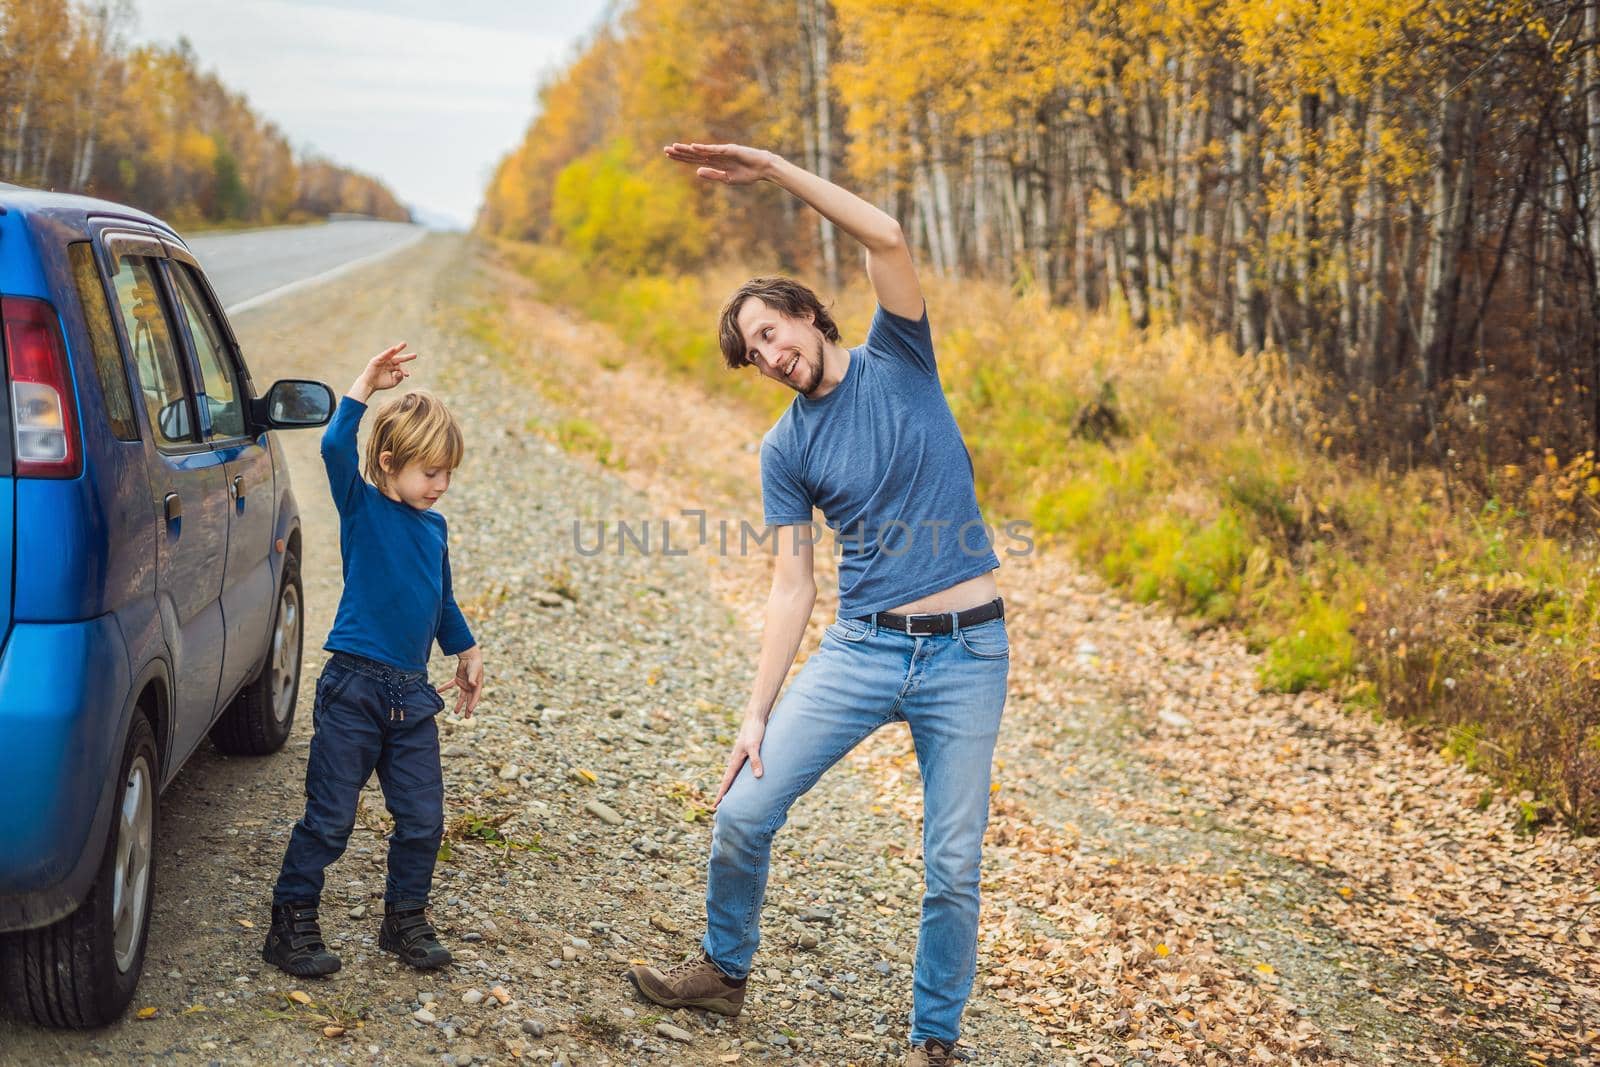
(889, 266)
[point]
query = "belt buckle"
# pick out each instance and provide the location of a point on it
(913, 623)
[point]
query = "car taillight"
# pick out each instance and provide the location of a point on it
(41, 390)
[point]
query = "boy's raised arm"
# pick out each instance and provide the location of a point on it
(339, 452)
(383, 371)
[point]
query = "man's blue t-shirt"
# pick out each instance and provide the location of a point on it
(397, 597)
(882, 458)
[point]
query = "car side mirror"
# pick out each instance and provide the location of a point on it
(173, 419)
(293, 403)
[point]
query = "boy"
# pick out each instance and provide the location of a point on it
(374, 708)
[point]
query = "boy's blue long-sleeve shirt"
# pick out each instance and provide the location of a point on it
(397, 598)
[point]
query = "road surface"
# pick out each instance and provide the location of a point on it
(250, 268)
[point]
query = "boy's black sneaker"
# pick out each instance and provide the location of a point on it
(294, 943)
(407, 933)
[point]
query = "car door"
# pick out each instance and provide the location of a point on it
(248, 589)
(187, 484)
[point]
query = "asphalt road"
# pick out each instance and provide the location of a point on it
(253, 266)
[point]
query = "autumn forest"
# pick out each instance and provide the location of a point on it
(80, 111)
(1365, 234)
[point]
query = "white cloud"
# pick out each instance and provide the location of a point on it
(424, 95)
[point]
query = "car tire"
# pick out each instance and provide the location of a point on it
(259, 719)
(81, 971)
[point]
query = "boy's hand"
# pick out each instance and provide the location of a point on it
(731, 164)
(383, 371)
(468, 681)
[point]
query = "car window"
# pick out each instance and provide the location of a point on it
(155, 358)
(217, 374)
(103, 340)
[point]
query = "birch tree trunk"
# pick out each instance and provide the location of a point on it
(1242, 162)
(820, 26)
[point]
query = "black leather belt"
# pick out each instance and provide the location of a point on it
(929, 625)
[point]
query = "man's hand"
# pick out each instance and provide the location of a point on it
(730, 164)
(468, 682)
(889, 265)
(747, 746)
(384, 371)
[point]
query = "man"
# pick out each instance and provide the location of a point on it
(870, 440)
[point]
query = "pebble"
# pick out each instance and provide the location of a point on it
(674, 1033)
(424, 1016)
(662, 923)
(533, 1027)
(426, 998)
(603, 811)
(509, 772)
(471, 997)
(455, 751)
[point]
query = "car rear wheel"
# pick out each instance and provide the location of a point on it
(81, 971)
(261, 716)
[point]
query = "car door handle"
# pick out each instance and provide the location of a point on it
(238, 487)
(174, 507)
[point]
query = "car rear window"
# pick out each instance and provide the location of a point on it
(103, 339)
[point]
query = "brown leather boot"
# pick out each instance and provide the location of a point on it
(931, 1053)
(694, 983)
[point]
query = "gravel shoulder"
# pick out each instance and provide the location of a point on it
(576, 797)
(1180, 869)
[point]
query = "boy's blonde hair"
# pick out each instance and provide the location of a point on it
(416, 427)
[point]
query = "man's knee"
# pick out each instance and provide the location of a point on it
(742, 823)
(952, 874)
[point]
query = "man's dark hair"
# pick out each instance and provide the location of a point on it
(785, 294)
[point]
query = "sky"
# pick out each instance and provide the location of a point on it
(424, 94)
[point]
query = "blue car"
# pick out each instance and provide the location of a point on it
(150, 592)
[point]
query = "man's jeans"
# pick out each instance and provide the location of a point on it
(951, 690)
(369, 716)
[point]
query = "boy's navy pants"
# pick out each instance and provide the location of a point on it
(369, 717)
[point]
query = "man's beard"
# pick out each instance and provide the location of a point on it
(817, 380)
